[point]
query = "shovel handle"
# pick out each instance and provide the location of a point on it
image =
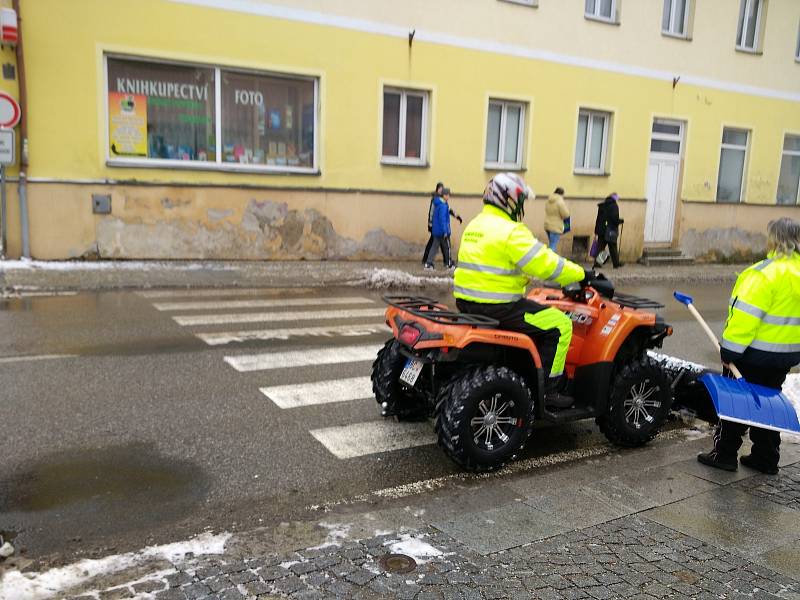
(711, 336)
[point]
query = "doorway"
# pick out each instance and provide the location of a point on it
(663, 175)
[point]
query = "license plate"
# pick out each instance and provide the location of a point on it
(411, 371)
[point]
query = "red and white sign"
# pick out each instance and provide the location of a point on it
(10, 112)
(9, 32)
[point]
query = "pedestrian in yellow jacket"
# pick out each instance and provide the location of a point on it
(555, 211)
(497, 257)
(762, 338)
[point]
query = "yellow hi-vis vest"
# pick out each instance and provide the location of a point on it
(497, 257)
(764, 309)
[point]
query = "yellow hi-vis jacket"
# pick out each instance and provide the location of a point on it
(764, 314)
(497, 257)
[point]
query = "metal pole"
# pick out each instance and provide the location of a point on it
(3, 213)
(23, 216)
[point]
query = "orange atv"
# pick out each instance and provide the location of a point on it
(483, 385)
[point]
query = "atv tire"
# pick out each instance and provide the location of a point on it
(491, 395)
(388, 389)
(639, 405)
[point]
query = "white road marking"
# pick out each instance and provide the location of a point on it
(360, 439)
(227, 337)
(227, 304)
(278, 316)
(223, 292)
(319, 392)
(303, 358)
(13, 359)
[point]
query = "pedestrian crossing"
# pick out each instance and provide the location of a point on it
(265, 320)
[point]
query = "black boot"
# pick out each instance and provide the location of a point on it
(554, 396)
(749, 461)
(712, 459)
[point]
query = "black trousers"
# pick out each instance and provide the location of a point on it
(427, 247)
(728, 436)
(439, 242)
(512, 317)
(612, 250)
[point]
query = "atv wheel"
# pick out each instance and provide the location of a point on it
(484, 417)
(640, 402)
(393, 398)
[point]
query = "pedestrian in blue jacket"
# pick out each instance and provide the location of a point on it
(440, 230)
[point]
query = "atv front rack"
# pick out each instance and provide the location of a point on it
(433, 310)
(636, 301)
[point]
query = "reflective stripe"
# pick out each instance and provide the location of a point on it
(487, 295)
(763, 315)
(488, 269)
(559, 268)
(763, 264)
(732, 346)
(773, 347)
(530, 254)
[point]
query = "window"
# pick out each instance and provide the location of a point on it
(666, 137)
(604, 10)
(590, 148)
(731, 165)
(748, 32)
(789, 179)
(167, 114)
(675, 20)
(504, 134)
(404, 126)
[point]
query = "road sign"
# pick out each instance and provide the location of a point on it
(7, 147)
(10, 111)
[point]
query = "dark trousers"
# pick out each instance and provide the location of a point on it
(766, 443)
(439, 242)
(427, 247)
(512, 317)
(612, 250)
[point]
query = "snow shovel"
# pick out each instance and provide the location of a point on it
(742, 402)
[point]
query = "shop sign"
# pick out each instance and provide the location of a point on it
(7, 146)
(10, 111)
(127, 124)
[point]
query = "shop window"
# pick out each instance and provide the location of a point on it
(748, 33)
(675, 18)
(168, 115)
(591, 145)
(267, 120)
(160, 111)
(504, 135)
(404, 126)
(602, 10)
(733, 156)
(789, 178)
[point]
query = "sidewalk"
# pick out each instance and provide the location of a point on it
(647, 523)
(108, 275)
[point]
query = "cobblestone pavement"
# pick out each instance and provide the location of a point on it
(631, 557)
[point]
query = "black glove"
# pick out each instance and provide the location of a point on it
(621, 221)
(460, 220)
(588, 277)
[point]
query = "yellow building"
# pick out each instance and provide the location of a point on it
(299, 128)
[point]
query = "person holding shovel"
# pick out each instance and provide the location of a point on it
(762, 339)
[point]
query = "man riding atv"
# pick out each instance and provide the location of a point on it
(497, 257)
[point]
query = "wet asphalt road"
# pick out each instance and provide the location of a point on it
(139, 432)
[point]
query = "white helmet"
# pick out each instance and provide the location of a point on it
(508, 192)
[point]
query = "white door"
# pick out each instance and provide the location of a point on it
(663, 173)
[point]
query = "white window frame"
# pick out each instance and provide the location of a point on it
(596, 16)
(532, 3)
(724, 146)
(673, 13)
(584, 169)
(785, 153)
(667, 137)
(744, 11)
(500, 164)
(218, 164)
(400, 159)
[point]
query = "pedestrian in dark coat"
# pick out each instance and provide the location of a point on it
(437, 192)
(440, 229)
(606, 228)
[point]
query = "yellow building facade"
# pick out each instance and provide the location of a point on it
(271, 129)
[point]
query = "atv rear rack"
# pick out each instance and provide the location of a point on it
(430, 309)
(636, 301)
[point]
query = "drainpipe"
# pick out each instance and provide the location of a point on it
(23, 134)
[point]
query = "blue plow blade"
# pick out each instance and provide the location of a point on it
(750, 404)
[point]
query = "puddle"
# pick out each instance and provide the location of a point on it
(108, 476)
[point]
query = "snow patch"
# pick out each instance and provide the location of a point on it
(47, 584)
(108, 265)
(383, 279)
(675, 363)
(337, 532)
(414, 547)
